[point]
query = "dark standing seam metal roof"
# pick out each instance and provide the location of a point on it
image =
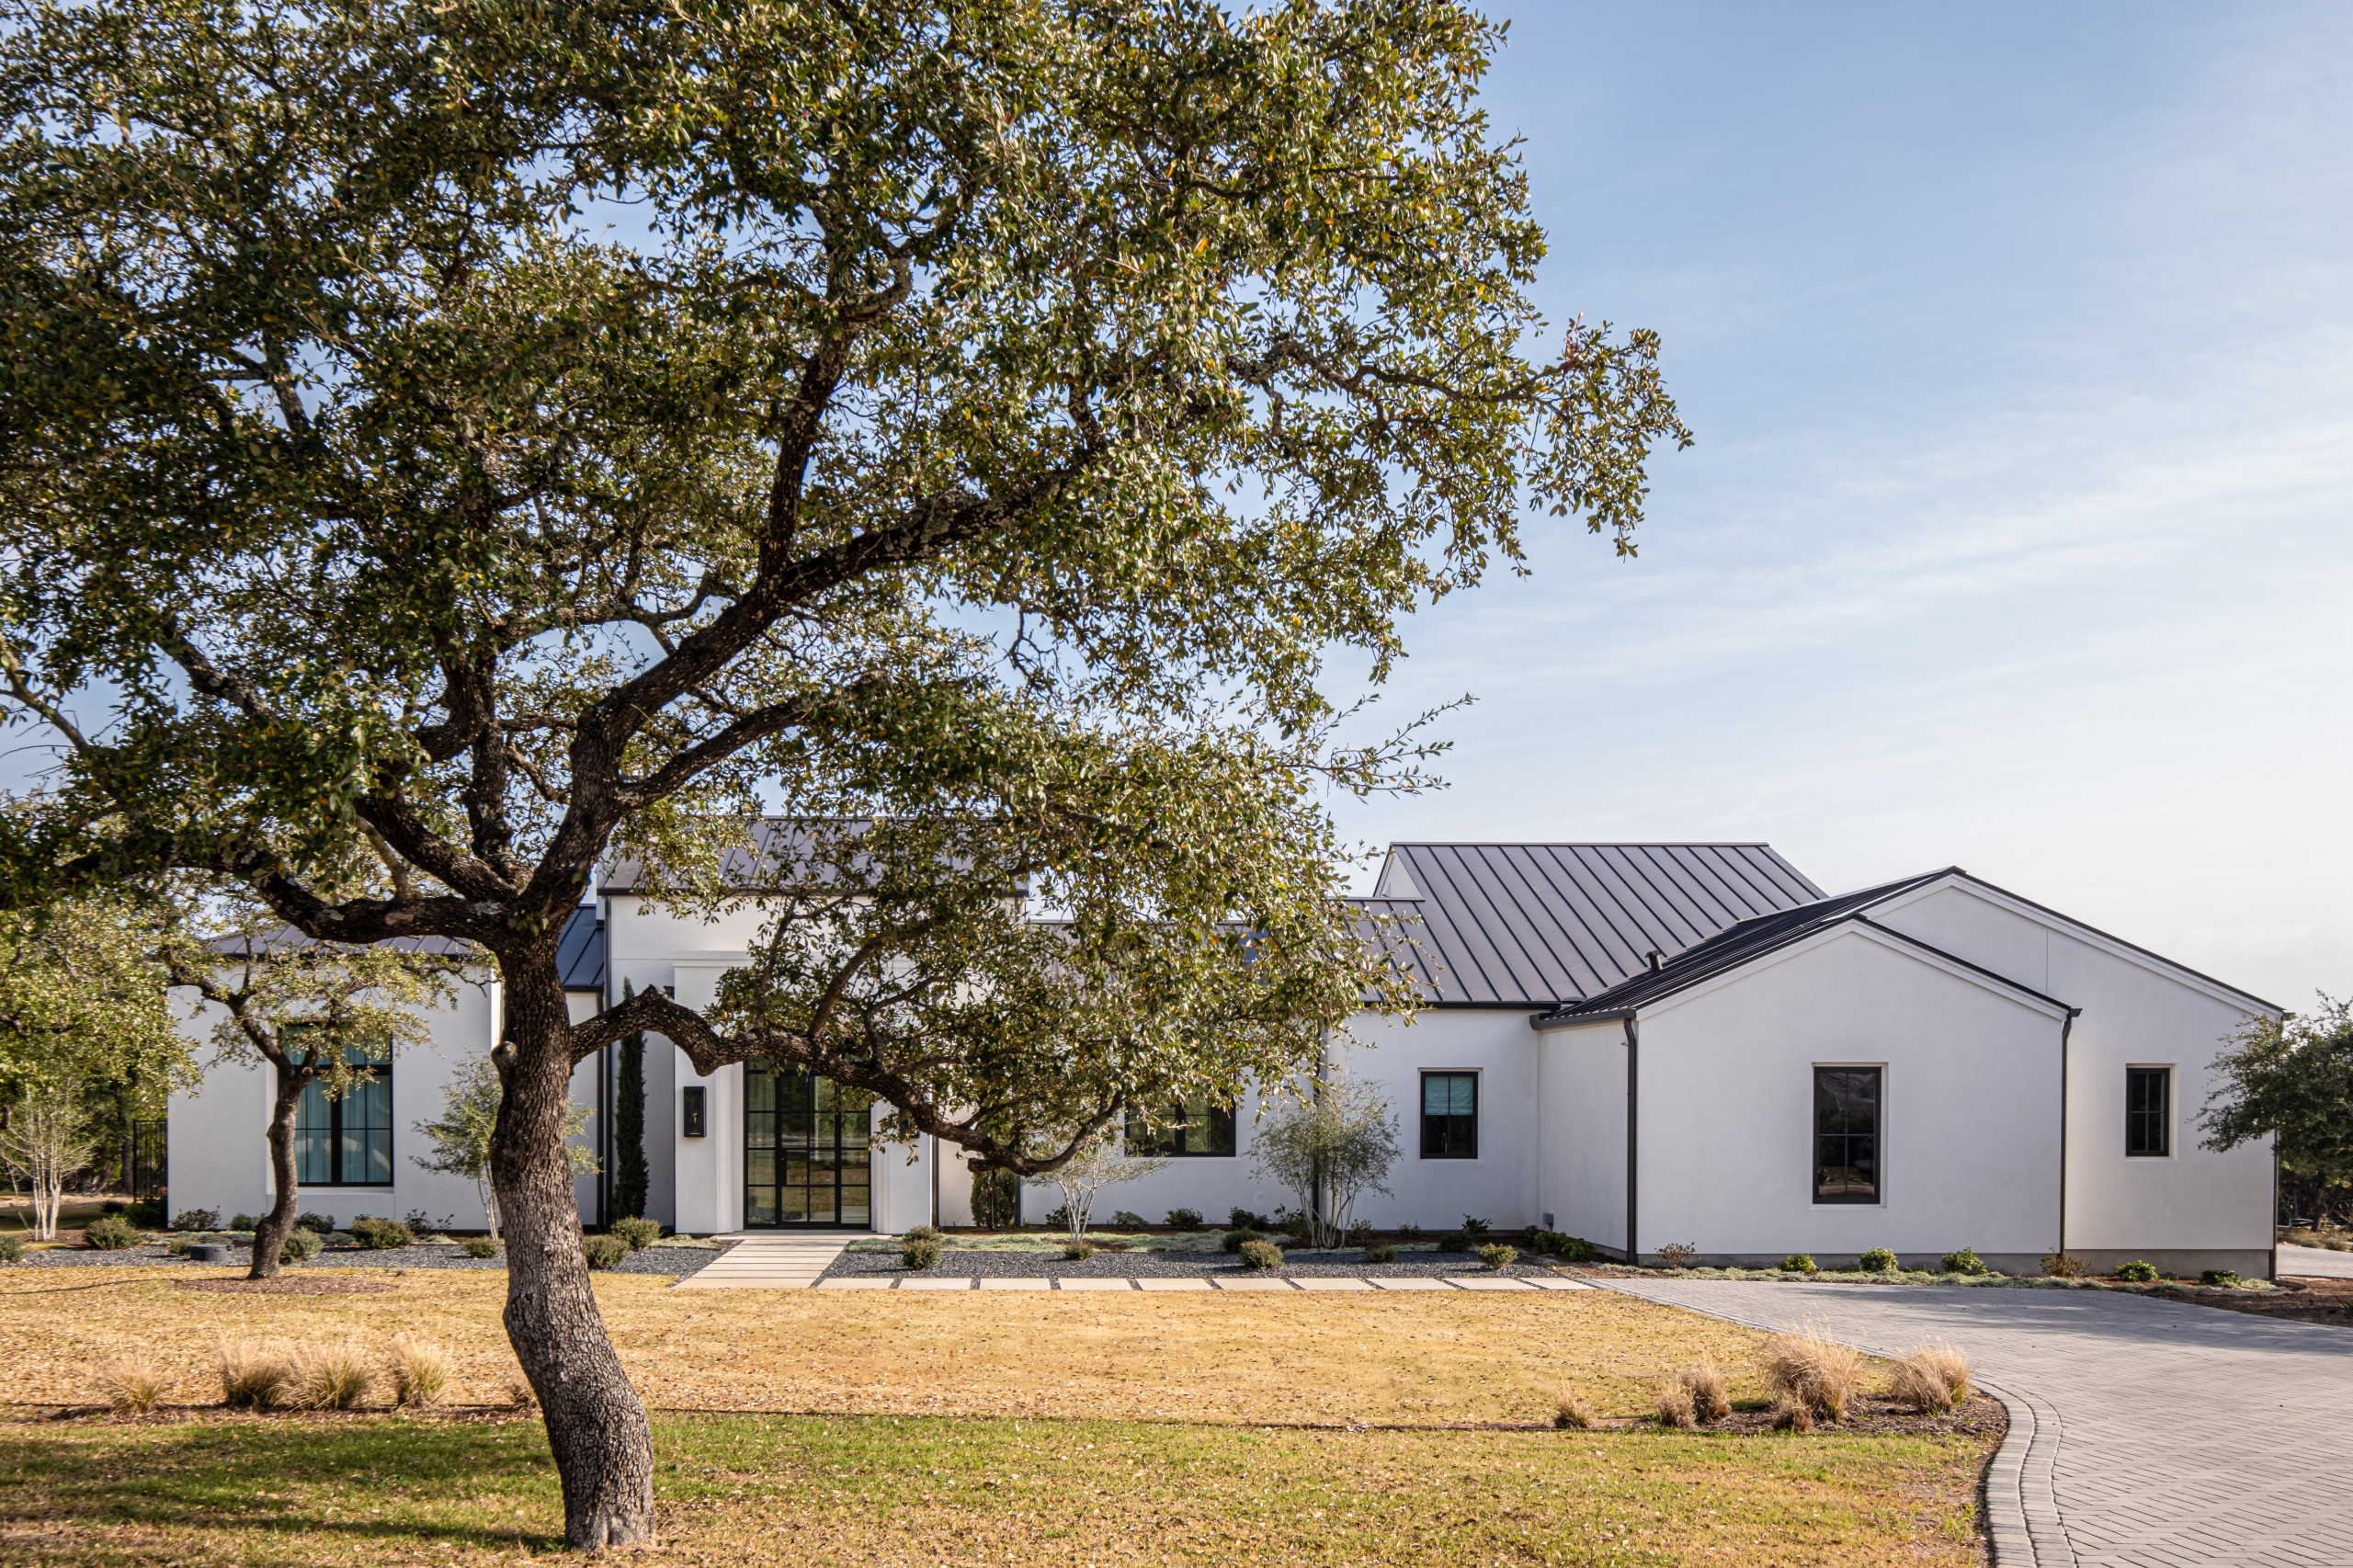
(1533, 925)
(580, 953)
(1753, 939)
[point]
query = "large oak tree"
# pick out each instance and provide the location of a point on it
(494, 437)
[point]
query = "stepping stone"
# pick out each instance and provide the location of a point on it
(1409, 1282)
(1253, 1284)
(930, 1283)
(856, 1282)
(1069, 1284)
(987, 1283)
(1558, 1284)
(1329, 1284)
(1490, 1284)
(1174, 1283)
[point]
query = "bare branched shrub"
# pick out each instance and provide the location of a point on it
(1791, 1416)
(420, 1372)
(1706, 1386)
(1672, 1405)
(1572, 1413)
(331, 1377)
(1937, 1367)
(254, 1376)
(131, 1386)
(1678, 1255)
(1812, 1369)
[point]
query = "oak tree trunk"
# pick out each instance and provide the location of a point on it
(269, 1236)
(595, 1424)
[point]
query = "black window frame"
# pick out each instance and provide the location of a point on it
(381, 1072)
(1450, 1134)
(1169, 1140)
(2142, 1122)
(1829, 1081)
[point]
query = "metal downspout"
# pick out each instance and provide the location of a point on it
(2066, 1026)
(1633, 1089)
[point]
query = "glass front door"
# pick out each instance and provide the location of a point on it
(806, 1155)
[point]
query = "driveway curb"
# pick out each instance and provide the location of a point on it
(2022, 1523)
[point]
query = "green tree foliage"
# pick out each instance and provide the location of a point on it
(461, 1135)
(505, 434)
(1330, 1146)
(2293, 1077)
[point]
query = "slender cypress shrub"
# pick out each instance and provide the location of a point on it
(628, 1127)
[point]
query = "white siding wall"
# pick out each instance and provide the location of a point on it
(1583, 1184)
(1969, 1149)
(2135, 1014)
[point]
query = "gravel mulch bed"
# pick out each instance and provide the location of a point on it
(672, 1261)
(969, 1263)
(286, 1285)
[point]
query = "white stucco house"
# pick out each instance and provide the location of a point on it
(1636, 1043)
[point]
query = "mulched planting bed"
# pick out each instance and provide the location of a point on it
(1982, 1416)
(2297, 1301)
(286, 1285)
(998, 1263)
(677, 1262)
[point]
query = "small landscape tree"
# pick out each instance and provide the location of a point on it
(464, 1134)
(1330, 1147)
(1101, 1162)
(45, 1139)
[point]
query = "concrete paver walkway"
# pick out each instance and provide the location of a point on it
(2160, 1435)
(1124, 1284)
(768, 1260)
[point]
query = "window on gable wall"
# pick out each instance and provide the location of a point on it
(1845, 1134)
(2148, 1111)
(1449, 1116)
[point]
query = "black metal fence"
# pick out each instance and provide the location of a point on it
(150, 1159)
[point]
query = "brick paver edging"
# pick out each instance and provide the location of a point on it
(2021, 1503)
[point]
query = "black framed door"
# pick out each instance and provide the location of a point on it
(808, 1158)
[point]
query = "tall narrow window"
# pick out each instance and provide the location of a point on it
(1449, 1116)
(347, 1140)
(1845, 1134)
(1194, 1127)
(2148, 1111)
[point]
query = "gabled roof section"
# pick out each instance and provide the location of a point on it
(1535, 924)
(580, 951)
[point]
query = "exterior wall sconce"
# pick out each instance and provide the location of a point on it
(693, 1105)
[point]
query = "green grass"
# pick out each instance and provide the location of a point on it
(384, 1489)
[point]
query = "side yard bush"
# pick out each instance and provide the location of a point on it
(602, 1252)
(1261, 1254)
(385, 1235)
(111, 1232)
(639, 1233)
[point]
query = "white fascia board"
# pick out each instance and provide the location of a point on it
(2051, 920)
(1855, 926)
(722, 959)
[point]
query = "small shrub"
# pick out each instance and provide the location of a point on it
(1298, 1227)
(1409, 1232)
(1455, 1241)
(2138, 1272)
(1498, 1257)
(1474, 1227)
(1057, 1218)
(299, 1245)
(131, 1386)
(2063, 1265)
(1672, 1403)
(147, 1213)
(1127, 1221)
(1791, 1416)
(1381, 1255)
(198, 1220)
(479, 1246)
(1240, 1218)
(1575, 1249)
(1814, 1369)
(1572, 1413)
(1678, 1255)
(1965, 1261)
(1359, 1233)
(243, 1222)
(1261, 1254)
(317, 1224)
(254, 1376)
(420, 1372)
(2219, 1276)
(331, 1377)
(1878, 1260)
(918, 1234)
(417, 1219)
(1706, 1387)
(1184, 1219)
(919, 1252)
(604, 1251)
(111, 1232)
(1234, 1241)
(639, 1233)
(1932, 1379)
(385, 1234)
(1800, 1263)
(1077, 1252)
(113, 1206)
(12, 1246)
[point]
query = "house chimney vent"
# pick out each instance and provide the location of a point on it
(1654, 958)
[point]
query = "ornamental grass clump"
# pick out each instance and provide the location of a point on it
(1572, 1412)
(1261, 1254)
(330, 1377)
(419, 1372)
(1705, 1385)
(919, 1252)
(1383, 1253)
(1812, 1369)
(1929, 1380)
(1079, 1252)
(131, 1386)
(1672, 1405)
(1791, 1416)
(254, 1376)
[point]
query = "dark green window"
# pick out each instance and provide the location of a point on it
(1195, 1126)
(1449, 1116)
(346, 1140)
(2148, 1111)
(1845, 1134)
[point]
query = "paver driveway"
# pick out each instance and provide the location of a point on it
(2185, 1434)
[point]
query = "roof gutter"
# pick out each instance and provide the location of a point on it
(1545, 1023)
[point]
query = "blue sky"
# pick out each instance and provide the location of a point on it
(2018, 343)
